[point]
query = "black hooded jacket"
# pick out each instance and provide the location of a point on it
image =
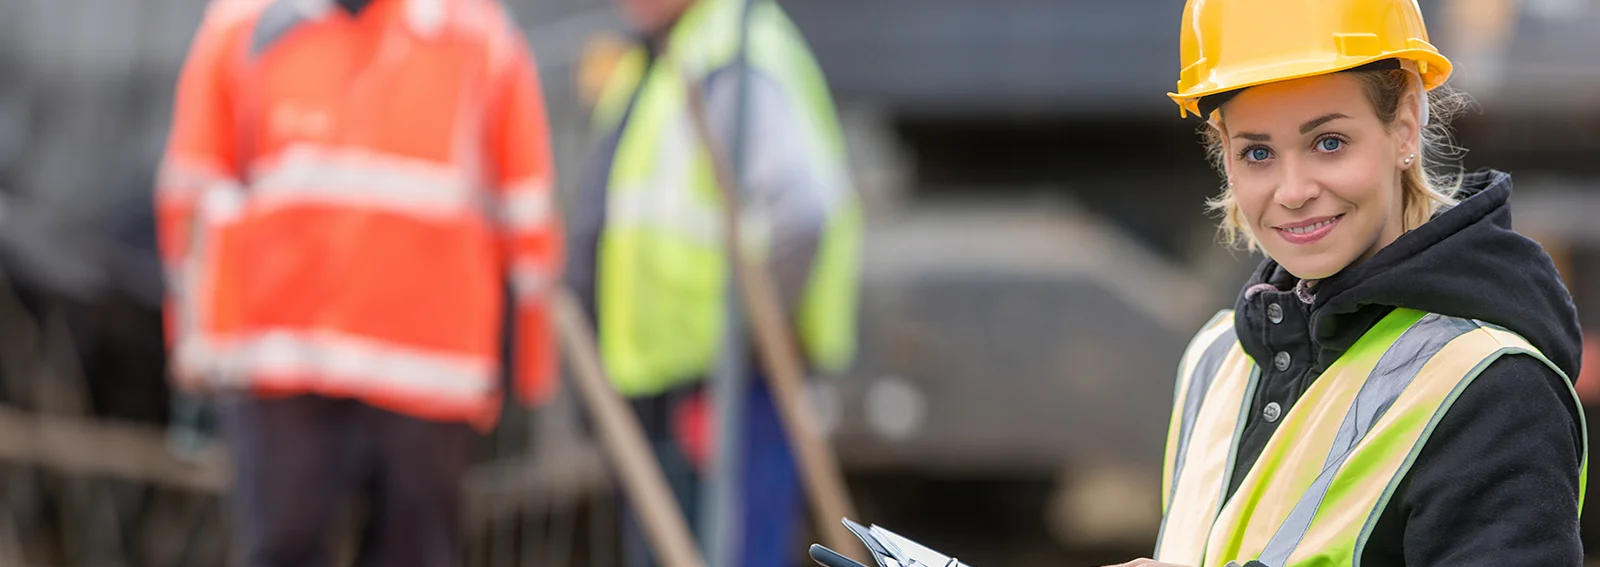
(1497, 481)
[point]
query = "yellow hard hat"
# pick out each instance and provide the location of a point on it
(1228, 45)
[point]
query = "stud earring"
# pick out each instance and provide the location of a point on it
(1409, 159)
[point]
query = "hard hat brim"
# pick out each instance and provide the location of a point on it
(1432, 67)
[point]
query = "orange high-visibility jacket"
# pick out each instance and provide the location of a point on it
(343, 197)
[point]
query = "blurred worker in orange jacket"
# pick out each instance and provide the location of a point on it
(346, 188)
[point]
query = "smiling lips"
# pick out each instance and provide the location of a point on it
(1309, 230)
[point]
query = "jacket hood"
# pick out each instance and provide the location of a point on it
(1466, 262)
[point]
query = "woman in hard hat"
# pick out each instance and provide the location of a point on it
(1391, 387)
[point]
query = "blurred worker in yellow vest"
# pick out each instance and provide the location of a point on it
(1392, 386)
(648, 249)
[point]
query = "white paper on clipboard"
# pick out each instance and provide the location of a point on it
(890, 549)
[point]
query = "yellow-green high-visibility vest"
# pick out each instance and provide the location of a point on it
(1326, 474)
(662, 270)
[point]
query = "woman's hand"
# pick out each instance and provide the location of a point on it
(1146, 563)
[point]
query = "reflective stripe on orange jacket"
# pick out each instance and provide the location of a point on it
(343, 196)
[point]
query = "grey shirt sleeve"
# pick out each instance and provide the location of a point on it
(787, 182)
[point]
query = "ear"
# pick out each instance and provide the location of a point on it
(1408, 128)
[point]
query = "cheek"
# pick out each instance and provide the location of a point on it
(1253, 196)
(1365, 180)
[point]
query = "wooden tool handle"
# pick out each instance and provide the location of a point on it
(624, 440)
(780, 356)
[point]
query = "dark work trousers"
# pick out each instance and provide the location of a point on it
(770, 507)
(300, 461)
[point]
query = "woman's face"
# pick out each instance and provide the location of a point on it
(1316, 174)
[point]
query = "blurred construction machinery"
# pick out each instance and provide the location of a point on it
(1036, 256)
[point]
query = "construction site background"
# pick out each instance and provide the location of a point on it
(1037, 254)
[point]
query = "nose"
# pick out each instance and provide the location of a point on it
(1297, 186)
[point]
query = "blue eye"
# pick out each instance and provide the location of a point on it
(1330, 144)
(1257, 154)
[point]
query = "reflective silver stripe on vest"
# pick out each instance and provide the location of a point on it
(1394, 371)
(1204, 374)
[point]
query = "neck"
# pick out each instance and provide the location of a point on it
(354, 7)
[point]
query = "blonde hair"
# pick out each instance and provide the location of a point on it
(1423, 192)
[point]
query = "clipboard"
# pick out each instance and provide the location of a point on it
(830, 558)
(888, 549)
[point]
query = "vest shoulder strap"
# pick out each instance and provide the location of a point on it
(1196, 370)
(1216, 380)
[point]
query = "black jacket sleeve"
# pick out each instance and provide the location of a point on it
(1496, 484)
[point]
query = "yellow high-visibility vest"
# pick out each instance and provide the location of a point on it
(1326, 474)
(662, 269)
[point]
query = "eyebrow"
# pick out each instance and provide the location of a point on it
(1313, 123)
(1310, 125)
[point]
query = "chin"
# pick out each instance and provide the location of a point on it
(1312, 266)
